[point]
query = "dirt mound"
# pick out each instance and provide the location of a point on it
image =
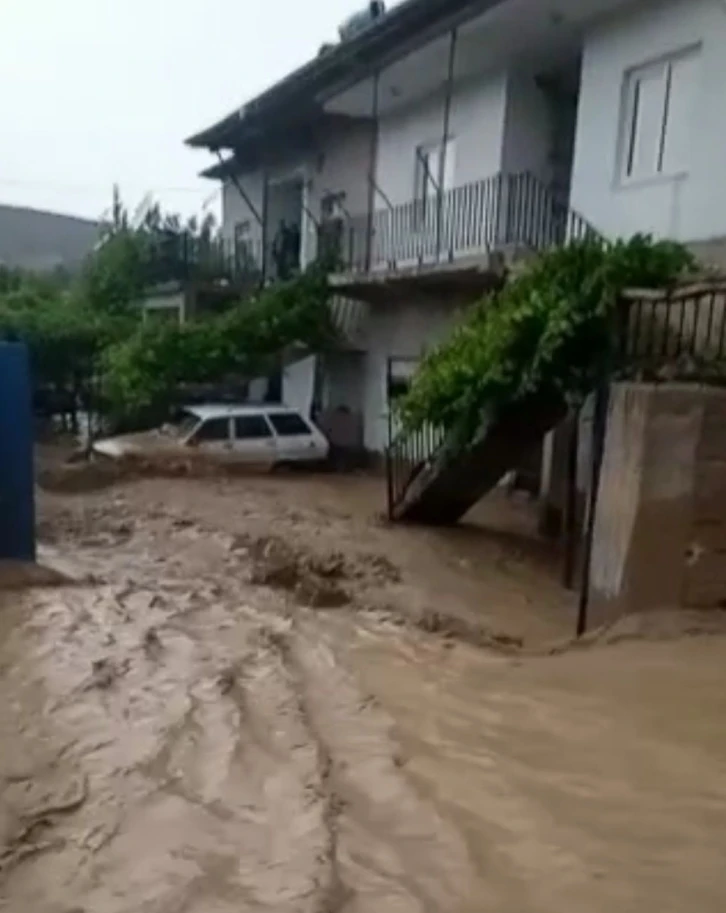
(663, 625)
(77, 473)
(78, 478)
(20, 575)
(456, 628)
(314, 581)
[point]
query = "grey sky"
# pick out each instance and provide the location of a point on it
(97, 91)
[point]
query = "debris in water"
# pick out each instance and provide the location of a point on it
(152, 643)
(227, 680)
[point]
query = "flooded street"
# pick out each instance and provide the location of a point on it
(257, 696)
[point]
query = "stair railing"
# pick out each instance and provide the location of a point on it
(407, 455)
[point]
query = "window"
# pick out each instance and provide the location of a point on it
(289, 424)
(658, 103)
(400, 374)
(214, 429)
(427, 169)
(251, 427)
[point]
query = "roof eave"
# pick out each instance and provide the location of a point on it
(411, 20)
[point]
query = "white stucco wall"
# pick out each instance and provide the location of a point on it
(396, 331)
(528, 128)
(234, 208)
(692, 207)
(340, 163)
(477, 125)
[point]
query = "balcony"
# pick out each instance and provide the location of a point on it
(181, 259)
(505, 211)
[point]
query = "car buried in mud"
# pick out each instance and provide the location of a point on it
(263, 435)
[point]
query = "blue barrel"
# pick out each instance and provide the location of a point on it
(17, 504)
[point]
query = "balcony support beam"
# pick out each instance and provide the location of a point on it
(375, 100)
(445, 137)
(264, 222)
(241, 191)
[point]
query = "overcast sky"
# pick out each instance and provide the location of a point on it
(97, 91)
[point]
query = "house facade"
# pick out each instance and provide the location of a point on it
(447, 133)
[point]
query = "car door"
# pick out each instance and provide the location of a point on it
(213, 436)
(295, 438)
(253, 441)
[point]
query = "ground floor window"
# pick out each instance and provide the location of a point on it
(398, 377)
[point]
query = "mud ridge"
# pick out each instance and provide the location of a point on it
(334, 895)
(654, 626)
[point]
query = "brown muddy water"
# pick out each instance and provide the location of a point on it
(235, 707)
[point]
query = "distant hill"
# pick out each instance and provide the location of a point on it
(37, 240)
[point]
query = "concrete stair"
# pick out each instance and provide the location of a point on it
(442, 486)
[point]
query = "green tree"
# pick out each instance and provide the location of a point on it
(549, 330)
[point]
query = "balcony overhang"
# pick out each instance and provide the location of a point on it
(461, 281)
(303, 92)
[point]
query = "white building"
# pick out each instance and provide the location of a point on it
(446, 130)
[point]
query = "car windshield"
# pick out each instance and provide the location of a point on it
(182, 425)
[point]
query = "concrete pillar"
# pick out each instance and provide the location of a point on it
(660, 523)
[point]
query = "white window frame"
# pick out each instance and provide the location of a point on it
(661, 67)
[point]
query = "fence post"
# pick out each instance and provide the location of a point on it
(599, 428)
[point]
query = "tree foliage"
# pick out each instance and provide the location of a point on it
(142, 372)
(90, 333)
(549, 330)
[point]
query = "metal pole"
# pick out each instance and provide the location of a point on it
(389, 448)
(599, 426)
(240, 189)
(571, 503)
(372, 169)
(264, 222)
(445, 137)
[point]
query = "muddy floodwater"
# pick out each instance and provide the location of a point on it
(253, 695)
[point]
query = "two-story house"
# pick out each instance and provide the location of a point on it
(447, 131)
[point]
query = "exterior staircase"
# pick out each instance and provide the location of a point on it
(431, 481)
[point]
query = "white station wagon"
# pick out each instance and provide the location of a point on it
(255, 434)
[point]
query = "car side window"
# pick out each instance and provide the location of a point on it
(289, 424)
(214, 429)
(251, 427)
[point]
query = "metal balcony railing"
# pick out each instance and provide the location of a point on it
(504, 210)
(183, 258)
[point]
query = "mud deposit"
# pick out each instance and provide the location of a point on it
(236, 708)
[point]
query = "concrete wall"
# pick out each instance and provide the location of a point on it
(403, 331)
(690, 206)
(660, 526)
